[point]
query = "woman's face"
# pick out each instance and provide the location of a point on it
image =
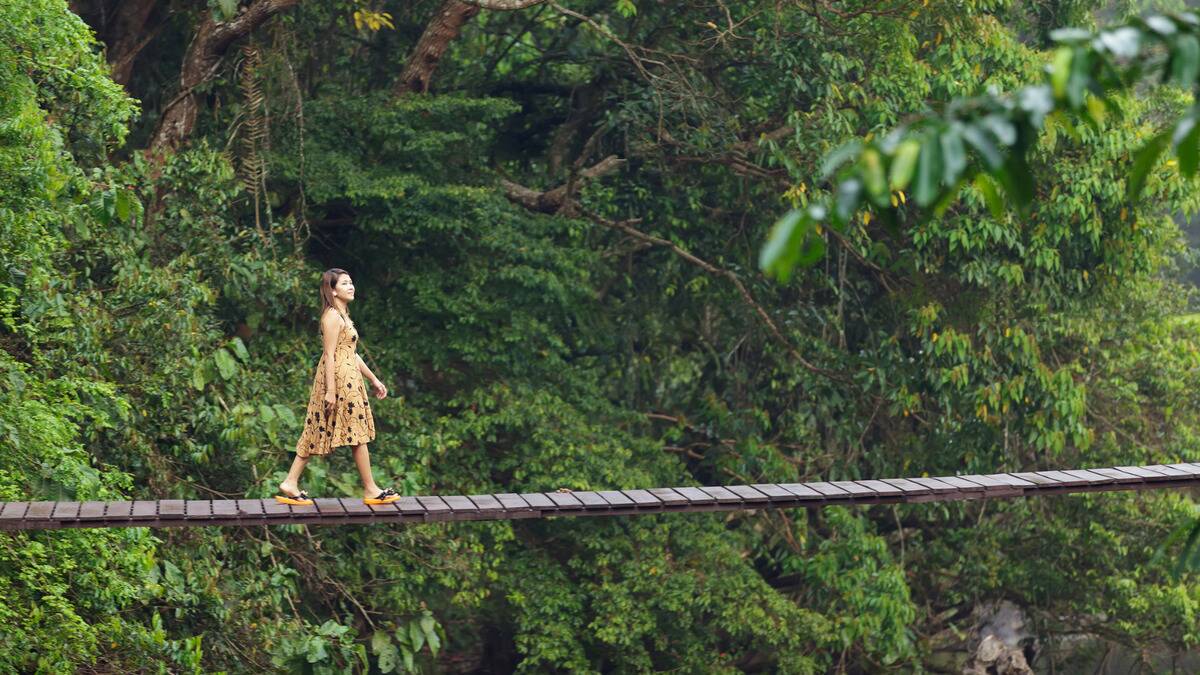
(344, 288)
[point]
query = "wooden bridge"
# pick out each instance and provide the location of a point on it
(43, 515)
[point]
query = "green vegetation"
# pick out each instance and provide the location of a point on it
(554, 221)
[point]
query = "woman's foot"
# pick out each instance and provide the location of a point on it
(378, 496)
(289, 493)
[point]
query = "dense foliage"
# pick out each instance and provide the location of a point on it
(158, 315)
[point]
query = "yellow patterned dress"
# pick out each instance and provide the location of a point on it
(351, 423)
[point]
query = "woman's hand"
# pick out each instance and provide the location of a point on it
(330, 402)
(379, 388)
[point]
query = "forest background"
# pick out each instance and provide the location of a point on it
(552, 212)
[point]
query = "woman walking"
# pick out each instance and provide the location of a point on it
(338, 412)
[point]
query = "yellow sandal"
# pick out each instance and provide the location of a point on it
(386, 497)
(301, 499)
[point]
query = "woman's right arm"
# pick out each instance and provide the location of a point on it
(330, 324)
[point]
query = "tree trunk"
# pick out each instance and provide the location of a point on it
(442, 29)
(200, 64)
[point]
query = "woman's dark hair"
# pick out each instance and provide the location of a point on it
(328, 281)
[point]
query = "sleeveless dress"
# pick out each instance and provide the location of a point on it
(351, 423)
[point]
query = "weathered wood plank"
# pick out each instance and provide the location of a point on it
(224, 508)
(696, 495)
(803, 492)
(486, 503)
(250, 508)
(669, 497)
(197, 508)
(92, 511)
(65, 511)
(144, 509)
(14, 511)
(40, 510)
(719, 493)
(564, 500)
(881, 488)
(537, 500)
(828, 490)
(747, 493)
(643, 498)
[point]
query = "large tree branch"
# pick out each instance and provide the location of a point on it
(441, 30)
(200, 63)
(556, 199)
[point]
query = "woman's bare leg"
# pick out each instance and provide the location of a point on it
(362, 459)
(291, 484)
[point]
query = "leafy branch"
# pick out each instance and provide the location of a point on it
(984, 140)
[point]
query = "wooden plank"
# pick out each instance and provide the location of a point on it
(934, 484)
(747, 493)
(719, 493)
(565, 501)
(642, 498)
(224, 508)
(40, 510)
(250, 508)
(1091, 477)
(962, 484)
(354, 507)
(669, 497)
(277, 510)
(91, 511)
(408, 506)
(434, 505)
(513, 502)
(1063, 480)
(775, 493)
(486, 503)
(171, 508)
(118, 510)
(330, 506)
(696, 495)
(1035, 478)
(1174, 473)
(911, 489)
(854, 488)
(13, 511)
(992, 486)
(591, 500)
(1145, 473)
(537, 500)
(803, 491)
(460, 505)
(1190, 469)
(144, 509)
(881, 488)
(615, 498)
(828, 490)
(198, 508)
(1011, 480)
(66, 511)
(1120, 477)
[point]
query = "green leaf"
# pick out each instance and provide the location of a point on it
(929, 171)
(778, 255)
(977, 139)
(1188, 148)
(1143, 161)
(1185, 60)
(408, 658)
(198, 380)
(380, 640)
(1060, 70)
(429, 628)
(123, 205)
(838, 157)
(316, 650)
(227, 9)
(225, 363)
(239, 348)
(415, 637)
(903, 163)
(849, 195)
(954, 156)
(987, 186)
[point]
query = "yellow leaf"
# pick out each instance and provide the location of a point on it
(895, 202)
(934, 338)
(902, 199)
(866, 217)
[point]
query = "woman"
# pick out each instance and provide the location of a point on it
(338, 412)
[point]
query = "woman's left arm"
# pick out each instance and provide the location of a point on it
(366, 372)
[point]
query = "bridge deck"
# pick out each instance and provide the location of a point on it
(43, 515)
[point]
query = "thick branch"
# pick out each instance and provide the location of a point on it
(200, 64)
(441, 30)
(554, 200)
